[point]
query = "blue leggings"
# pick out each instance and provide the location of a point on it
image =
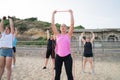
(68, 66)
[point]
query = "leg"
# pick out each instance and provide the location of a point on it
(53, 68)
(68, 66)
(8, 67)
(91, 63)
(53, 65)
(46, 62)
(46, 59)
(14, 58)
(58, 67)
(2, 66)
(84, 63)
(53, 61)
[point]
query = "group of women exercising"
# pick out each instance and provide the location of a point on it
(58, 47)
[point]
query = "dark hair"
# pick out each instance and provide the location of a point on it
(59, 31)
(87, 37)
(8, 27)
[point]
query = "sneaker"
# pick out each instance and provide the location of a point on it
(92, 72)
(44, 67)
(83, 72)
(13, 66)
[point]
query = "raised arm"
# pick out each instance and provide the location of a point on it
(93, 37)
(16, 32)
(48, 34)
(82, 37)
(54, 36)
(11, 25)
(2, 24)
(72, 24)
(54, 29)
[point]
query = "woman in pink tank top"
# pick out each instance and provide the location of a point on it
(63, 40)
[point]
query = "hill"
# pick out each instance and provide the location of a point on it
(32, 28)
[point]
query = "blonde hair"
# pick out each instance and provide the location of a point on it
(87, 37)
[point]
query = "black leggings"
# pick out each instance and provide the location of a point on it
(68, 66)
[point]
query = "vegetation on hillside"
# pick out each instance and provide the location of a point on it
(24, 25)
(79, 27)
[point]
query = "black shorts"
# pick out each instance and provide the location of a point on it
(14, 49)
(88, 54)
(50, 53)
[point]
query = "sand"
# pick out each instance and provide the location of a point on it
(107, 67)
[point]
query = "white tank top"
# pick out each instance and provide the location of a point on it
(6, 40)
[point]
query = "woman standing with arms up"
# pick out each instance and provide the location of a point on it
(6, 52)
(14, 48)
(88, 53)
(50, 49)
(63, 53)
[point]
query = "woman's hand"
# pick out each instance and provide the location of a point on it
(4, 17)
(54, 12)
(70, 11)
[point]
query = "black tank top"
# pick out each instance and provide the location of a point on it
(88, 48)
(51, 44)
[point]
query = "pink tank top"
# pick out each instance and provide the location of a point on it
(63, 45)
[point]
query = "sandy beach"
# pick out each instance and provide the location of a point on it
(29, 67)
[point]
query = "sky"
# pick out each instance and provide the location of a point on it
(92, 14)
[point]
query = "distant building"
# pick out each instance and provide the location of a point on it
(100, 34)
